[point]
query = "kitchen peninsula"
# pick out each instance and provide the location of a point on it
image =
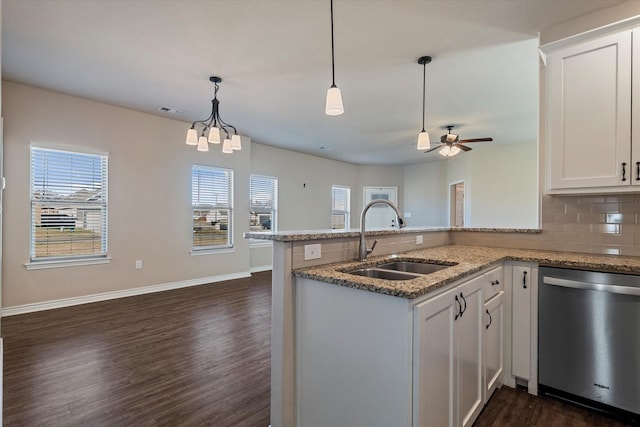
(319, 375)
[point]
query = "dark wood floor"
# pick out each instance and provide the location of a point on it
(190, 357)
(510, 407)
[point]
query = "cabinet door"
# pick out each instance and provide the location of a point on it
(434, 361)
(521, 322)
(635, 142)
(588, 139)
(493, 344)
(469, 329)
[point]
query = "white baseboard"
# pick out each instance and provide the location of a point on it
(67, 302)
(261, 268)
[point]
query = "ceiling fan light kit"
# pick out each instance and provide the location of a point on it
(424, 143)
(451, 144)
(212, 127)
(333, 106)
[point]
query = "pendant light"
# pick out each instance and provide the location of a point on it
(334, 106)
(212, 126)
(423, 137)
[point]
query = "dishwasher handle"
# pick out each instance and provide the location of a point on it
(614, 289)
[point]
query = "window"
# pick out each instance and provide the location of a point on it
(340, 203)
(212, 204)
(68, 205)
(263, 203)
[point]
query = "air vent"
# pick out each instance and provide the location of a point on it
(171, 111)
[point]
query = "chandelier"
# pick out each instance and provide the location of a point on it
(212, 127)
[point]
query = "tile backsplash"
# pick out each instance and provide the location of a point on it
(603, 224)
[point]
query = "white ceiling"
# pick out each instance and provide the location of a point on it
(275, 61)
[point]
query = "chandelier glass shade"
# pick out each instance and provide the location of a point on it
(209, 130)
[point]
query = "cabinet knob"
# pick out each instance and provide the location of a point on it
(495, 282)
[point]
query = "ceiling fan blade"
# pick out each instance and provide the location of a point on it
(477, 140)
(462, 147)
(433, 148)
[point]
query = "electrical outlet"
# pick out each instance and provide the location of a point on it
(138, 264)
(312, 252)
(419, 240)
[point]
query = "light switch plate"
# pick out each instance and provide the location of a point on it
(312, 252)
(419, 240)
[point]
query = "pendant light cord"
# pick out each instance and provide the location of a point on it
(424, 90)
(333, 67)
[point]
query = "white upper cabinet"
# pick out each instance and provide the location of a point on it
(589, 145)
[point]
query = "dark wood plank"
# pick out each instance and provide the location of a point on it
(510, 407)
(197, 356)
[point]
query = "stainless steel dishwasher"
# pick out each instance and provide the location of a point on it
(589, 338)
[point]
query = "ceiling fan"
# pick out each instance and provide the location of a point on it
(451, 144)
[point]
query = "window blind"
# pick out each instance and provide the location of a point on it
(212, 204)
(68, 204)
(263, 201)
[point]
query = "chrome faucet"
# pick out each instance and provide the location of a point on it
(363, 250)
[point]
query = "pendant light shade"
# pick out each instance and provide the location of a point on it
(424, 143)
(202, 144)
(236, 144)
(213, 126)
(333, 106)
(226, 146)
(192, 137)
(214, 135)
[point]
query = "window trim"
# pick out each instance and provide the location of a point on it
(346, 213)
(215, 249)
(36, 263)
(256, 243)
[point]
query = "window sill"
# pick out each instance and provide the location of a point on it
(212, 251)
(40, 265)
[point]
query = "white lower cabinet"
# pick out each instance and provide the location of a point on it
(365, 359)
(447, 368)
(493, 342)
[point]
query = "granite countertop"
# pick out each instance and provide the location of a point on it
(302, 235)
(469, 259)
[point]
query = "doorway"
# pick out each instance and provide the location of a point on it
(380, 216)
(456, 198)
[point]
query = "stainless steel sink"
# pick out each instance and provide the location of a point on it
(413, 267)
(384, 274)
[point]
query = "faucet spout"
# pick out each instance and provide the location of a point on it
(363, 251)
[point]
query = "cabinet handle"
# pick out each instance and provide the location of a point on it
(495, 282)
(465, 304)
(458, 309)
(624, 171)
(490, 319)
(524, 279)
(637, 171)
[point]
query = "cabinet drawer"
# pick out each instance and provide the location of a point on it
(493, 283)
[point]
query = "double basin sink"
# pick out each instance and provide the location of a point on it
(400, 270)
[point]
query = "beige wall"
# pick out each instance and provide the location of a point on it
(149, 197)
(304, 185)
(504, 186)
(425, 194)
